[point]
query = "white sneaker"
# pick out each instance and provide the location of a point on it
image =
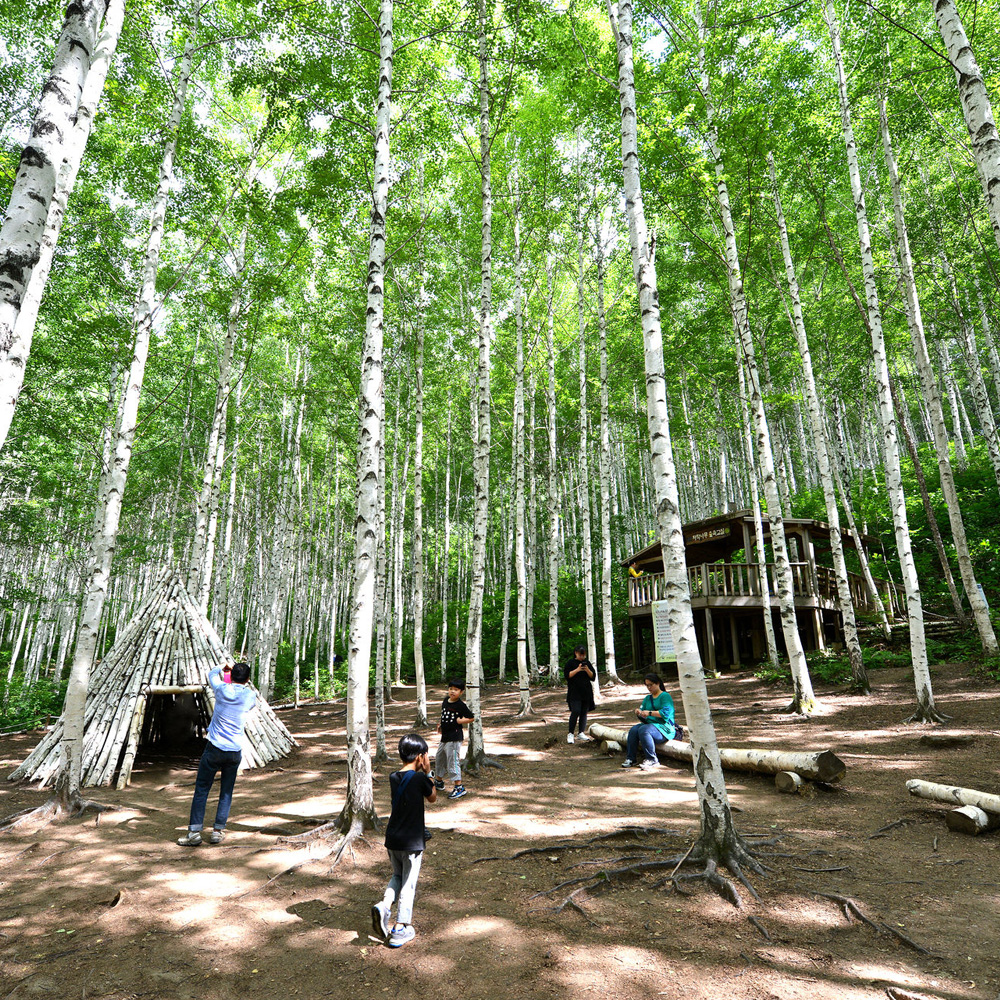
(569, 738)
(626, 762)
(583, 738)
(649, 765)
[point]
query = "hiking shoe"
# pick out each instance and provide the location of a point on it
(569, 738)
(649, 765)
(439, 783)
(627, 763)
(380, 920)
(217, 836)
(399, 936)
(191, 839)
(456, 793)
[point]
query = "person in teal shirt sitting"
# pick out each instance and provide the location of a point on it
(656, 724)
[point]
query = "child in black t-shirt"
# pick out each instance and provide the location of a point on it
(580, 675)
(454, 714)
(404, 840)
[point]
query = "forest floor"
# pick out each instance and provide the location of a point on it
(116, 910)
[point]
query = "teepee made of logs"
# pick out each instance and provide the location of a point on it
(167, 650)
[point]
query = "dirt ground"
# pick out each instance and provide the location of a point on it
(116, 910)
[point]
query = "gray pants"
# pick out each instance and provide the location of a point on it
(446, 761)
(403, 884)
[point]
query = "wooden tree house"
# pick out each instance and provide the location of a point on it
(726, 595)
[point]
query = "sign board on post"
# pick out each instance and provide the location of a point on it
(663, 638)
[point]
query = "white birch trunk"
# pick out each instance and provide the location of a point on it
(607, 618)
(932, 396)
(481, 437)
(822, 452)
(524, 689)
(553, 480)
(359, 807)
(719, 839)
(446, 544)
(207, 507)
(109, 503)
(975, 106)
(14, 361)
(803, 699)
(583, 469)
(418, 495)
(918, 645)
(49, 142)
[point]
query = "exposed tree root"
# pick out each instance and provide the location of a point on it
(480, 762)
(575, 845)
(850, 908)
(760, 927)
(298, 839)
(929, 714)
(735, 859)
(52, 810)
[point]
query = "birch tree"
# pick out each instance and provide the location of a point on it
(475, 754)
(858, 674)
(358, 812)
(932, 396)
(803, 698)
(719, 841)
(112, 487)
(14, 356)
(49, 143)
(926, 712)
(976, 106)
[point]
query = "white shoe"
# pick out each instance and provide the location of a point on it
(649, 765)
(626, 762)
(583, 738)
(569, 738)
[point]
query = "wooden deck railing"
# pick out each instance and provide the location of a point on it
(730, 580)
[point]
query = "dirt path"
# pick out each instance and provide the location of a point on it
(118, 911)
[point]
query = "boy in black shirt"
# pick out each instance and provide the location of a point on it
(454, 714)
(580, 674)
(404, 839)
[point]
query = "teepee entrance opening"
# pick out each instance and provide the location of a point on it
(172, 730)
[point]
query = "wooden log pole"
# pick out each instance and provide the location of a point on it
(824, 766)
(954, 795)
(788, 781)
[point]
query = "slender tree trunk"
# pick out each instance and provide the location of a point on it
(918, 646)
(583, 467)
(719, 840)
(610, 664)
(975, 106)
(524, 689)
(14, 360)
(418, 496)
(359, 808)
(803, 699)
(49, 142)
(481, 438)
(553, 480)
(858, 674)
(109, 504)
(446, 544)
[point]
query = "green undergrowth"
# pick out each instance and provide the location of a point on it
(25, 707)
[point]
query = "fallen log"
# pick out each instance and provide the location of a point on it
(788, 781)
(954, 795)
(824, 766)
(972, 820)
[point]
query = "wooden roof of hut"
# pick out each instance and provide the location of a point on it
(168, 649)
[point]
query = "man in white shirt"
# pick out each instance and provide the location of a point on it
(223, 752)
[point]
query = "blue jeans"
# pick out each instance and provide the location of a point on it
(214, 760)
(645, 735)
